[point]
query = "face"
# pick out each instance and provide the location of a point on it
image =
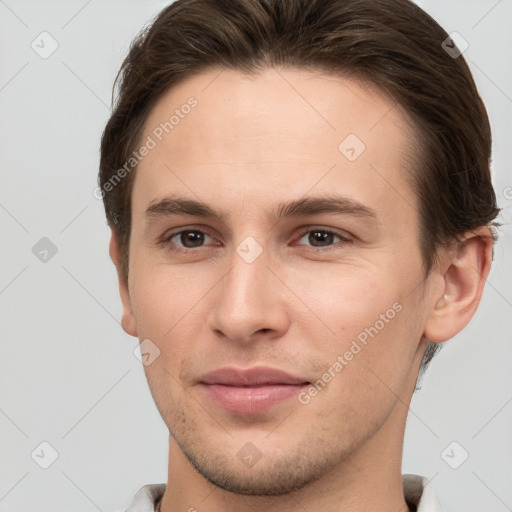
(310, 265)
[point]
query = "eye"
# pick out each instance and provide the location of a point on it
(185, 240)
(320, 238)
(190, 239)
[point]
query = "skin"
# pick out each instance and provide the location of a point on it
(251, 143)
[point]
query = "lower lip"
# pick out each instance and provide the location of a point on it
(251, 400)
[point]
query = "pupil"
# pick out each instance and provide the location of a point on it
(192, 236)
(320, 236)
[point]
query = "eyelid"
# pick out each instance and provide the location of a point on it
(342, 235)
(171, 233)
(165, 239)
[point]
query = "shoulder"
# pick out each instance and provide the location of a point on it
(146, 498)
(419, 493)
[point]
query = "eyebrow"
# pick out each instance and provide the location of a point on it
(307, 206)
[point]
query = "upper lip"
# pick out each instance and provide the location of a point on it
(256, 376)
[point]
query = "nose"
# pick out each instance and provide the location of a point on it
(251, 300)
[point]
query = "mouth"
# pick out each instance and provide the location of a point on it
(251, 391)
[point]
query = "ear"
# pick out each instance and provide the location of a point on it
(128, 322)
(465, 271)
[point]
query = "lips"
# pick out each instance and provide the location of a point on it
(252, 391)
(256, 376)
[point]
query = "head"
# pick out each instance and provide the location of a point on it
(256, 108)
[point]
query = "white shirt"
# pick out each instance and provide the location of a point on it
(417, 492)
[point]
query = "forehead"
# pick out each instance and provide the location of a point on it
(287, 130)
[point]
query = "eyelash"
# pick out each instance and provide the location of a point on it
(166, 239)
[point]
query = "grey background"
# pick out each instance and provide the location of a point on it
(68, 374)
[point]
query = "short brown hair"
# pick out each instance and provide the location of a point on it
(392, 44)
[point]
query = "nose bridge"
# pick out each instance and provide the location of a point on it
(246, 301)
(245, 284)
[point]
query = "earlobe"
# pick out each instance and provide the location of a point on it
(128, 322)
(465, 271)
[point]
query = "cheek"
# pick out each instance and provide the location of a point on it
(366, 369)
(352, 301)
(373, 330)
(167, 302)
(157, 290)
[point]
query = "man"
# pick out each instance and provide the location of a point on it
(302, 212)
